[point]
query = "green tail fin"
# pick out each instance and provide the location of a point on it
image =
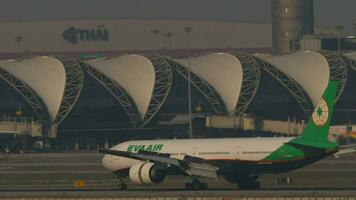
(317, 130)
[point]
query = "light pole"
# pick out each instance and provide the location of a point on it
(169, 35)
(188, 30)
(339, 30)
(155, 31)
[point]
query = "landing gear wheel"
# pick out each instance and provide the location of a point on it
(188, 186)
(196, 185)
(122, 186)
(250, 185)
(204, 186)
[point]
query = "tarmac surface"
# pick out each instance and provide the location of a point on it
(186, 195)
(59, 172)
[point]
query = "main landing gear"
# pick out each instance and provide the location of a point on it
(196, 185)
(248, 182)
(245, 181)
(250, 185)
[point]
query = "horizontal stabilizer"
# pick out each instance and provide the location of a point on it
(346, 149)
(313, 144)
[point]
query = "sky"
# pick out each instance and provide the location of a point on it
(326, 12)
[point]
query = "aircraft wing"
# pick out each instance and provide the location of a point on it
(190, 165)
(346, 149)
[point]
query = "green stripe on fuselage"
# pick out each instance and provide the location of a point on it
(290, 152)
(285, 152)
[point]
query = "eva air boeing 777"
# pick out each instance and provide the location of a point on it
(238, 160)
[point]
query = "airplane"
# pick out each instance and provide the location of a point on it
(238, 160)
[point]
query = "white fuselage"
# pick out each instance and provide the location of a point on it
(246, 149)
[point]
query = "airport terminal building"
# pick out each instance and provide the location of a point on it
(102, 79)
(113, 96)
(109, 37)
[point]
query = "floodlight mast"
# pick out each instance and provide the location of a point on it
(339, 30)
(155, 31)
(169, 35)
(188, 30)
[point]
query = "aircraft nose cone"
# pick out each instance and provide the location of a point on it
(107, 162)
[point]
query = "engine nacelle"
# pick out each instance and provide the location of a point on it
(146, 173)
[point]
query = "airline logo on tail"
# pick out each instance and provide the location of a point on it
(321, 113)
(316, 131)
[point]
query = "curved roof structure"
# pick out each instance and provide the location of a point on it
(352, 56)
(146, 79)
(210, 94)
(54, 82)
(338, 69)
(223, 72)
(288, 88)
(45, 75)
(138, 88)
(345, 108)
(297, 64)
(134, 73)
(27, 93)
(4, 62)
(117, 92)
(236, 77)
(250, 81)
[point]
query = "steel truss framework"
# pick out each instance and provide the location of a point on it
(73, 86)
(203, 87)
(250, 81)
(162, 86)
(290, 84)
(30, 96)
(338, 69)
(350, 63)
(117, 91)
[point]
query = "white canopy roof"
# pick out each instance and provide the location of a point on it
(223, 72)
(3, 62)
(45, 75)
(309, 69)
(134, 73)
(351, 55)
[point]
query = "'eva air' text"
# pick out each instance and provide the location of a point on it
(143, 147)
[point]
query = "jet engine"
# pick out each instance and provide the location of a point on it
(147, 173)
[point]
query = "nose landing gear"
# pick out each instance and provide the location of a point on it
(122, 183)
